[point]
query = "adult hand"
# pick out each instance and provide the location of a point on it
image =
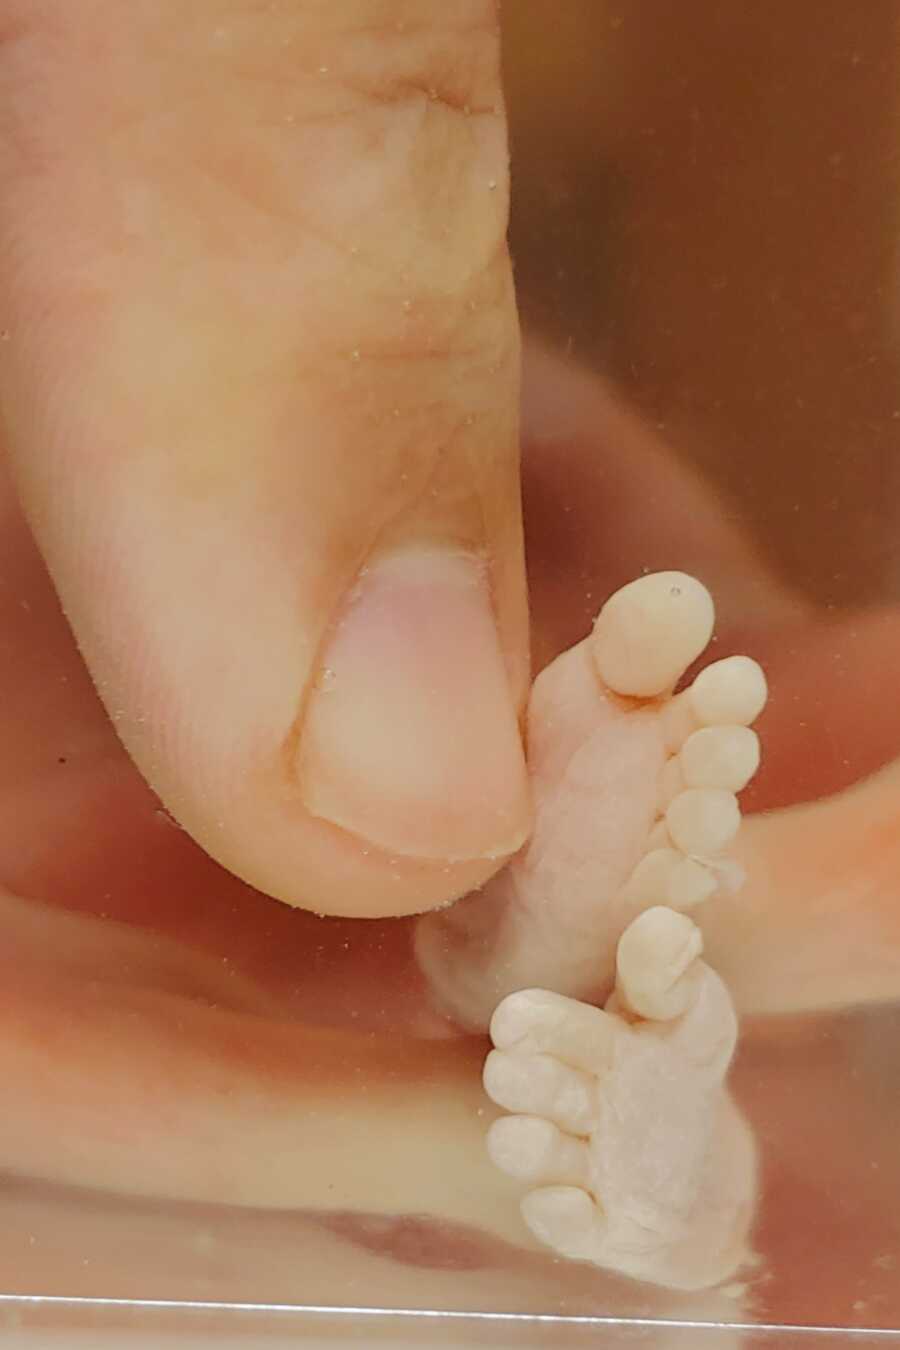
(259, 385)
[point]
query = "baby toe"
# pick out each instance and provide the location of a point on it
(565, 1218)
(666, 877)
(656, 963)
(538, 1021)
(538, 1085)
(537, 1151)
(723, 757)
(729, 692)
(703, 821)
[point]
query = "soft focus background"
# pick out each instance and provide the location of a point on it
(706, 209)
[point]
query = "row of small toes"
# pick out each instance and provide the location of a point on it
(551, 1055)
(715, 759)
(658, 625)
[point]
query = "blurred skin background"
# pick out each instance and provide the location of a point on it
(706, 208)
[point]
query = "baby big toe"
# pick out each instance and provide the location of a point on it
(649, 632)
(657, 962)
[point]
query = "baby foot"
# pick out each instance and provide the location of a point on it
(634, 804)
(637, 1158)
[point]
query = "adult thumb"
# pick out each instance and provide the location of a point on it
(259, 390)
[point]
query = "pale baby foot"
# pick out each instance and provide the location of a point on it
(635, 1157)
(635, 804)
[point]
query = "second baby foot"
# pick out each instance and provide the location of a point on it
(635, 1157)
(635, 804)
